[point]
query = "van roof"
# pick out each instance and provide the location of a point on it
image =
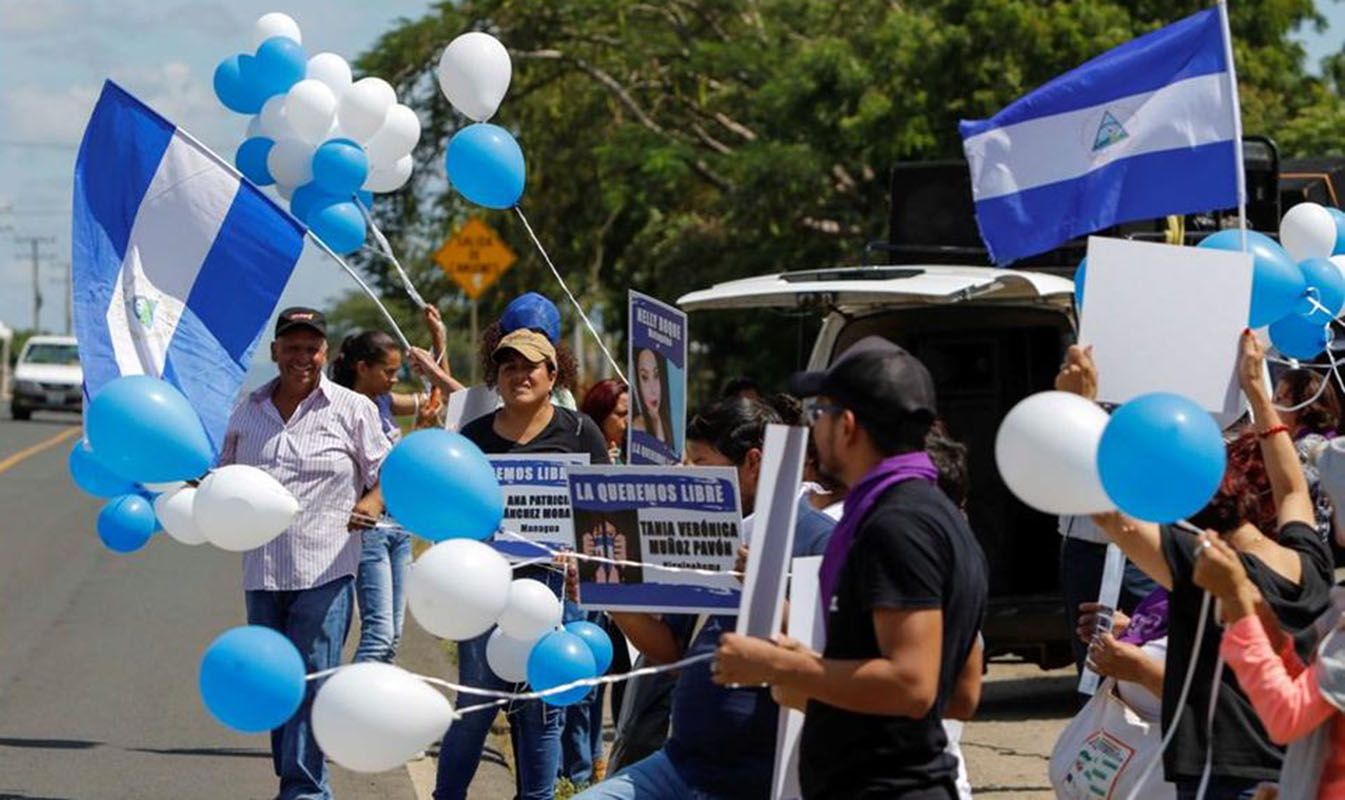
(854, 288)
(46, 339)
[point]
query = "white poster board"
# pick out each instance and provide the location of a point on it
(468, 404)
(536, 502)
(806, 624)
(1162, 318)
(772, 543)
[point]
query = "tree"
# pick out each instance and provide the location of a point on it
(675, 144)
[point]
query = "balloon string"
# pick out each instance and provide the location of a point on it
(390, 256)
(569, 294)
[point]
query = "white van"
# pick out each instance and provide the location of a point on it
(989, 337)
(47, 377)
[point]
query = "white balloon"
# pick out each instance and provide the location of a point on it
(310, 108)
(285, 192)
(272, 120)
(474, 74)
(332, 70)
(175, 513)
(254, 127)
(1308, 231)
(389, 179)
(397, 137)
(532, 611)
(275, 24)
(364, 107)
(508, 657)
(1046, 451)
(458, 588)
(238, 508)
(291, 162)
(164, 488)
(371, 717)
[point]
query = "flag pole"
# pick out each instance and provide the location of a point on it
(321, 244)
(1241, 172)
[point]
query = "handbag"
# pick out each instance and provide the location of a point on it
(1103, 751)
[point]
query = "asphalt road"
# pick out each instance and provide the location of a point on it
(99, 653)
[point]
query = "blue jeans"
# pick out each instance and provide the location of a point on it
(380, 588)
(653, 778)
(581, 736)
(534, 731)
(317, 621)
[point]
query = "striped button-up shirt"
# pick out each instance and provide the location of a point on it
(328, 455)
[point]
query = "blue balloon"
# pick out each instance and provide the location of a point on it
(1323, 276)
(1080, 275)
(144, 430)
(441, 486)
(340, 167)
(1301, 337)
(126, 523)
(233, 89)
(252, 679)
(559, 658)
(366, 199)
(251, 160)
(90, 475)
(1161, 457)
(340, 225)
(486, 165)
(307, 199)
(1277, 282)
(1339, 217)
(279, 64)
(599, 643)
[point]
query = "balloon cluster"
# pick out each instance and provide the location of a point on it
(1159, 457)
(326, 141)
(144, 444)
(484, 161)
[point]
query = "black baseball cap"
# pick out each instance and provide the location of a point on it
(875, 379)
(300, 317)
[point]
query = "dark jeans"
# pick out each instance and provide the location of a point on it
(1081, 566)
(1219, 788)
(317, 621)
(581, 734)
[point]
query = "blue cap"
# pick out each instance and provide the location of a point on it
(534, 312)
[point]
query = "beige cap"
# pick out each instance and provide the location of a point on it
(530, 344)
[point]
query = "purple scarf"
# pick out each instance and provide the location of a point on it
(904, 467)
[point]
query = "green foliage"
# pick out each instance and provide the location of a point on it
(672, 145)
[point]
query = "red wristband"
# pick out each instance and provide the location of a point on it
(1269, 432)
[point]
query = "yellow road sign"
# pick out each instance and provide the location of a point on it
(475, 257)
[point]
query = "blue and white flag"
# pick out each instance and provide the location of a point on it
(178, 262)
(1148, 129)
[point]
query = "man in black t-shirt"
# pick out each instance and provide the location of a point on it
(904, 586)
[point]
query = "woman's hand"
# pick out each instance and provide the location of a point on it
(438, 333)
(1112, 658)
(1088, 617)
(571, 567)
(366, 513)
(1252, 366)
(1078, 375)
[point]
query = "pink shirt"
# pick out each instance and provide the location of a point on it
(327, 454)
(1285, 695)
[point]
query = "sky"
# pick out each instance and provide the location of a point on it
(55, 54)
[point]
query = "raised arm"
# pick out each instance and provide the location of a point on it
(1292, 500)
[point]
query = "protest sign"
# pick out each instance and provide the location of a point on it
(772, 542)
(1166, 319)
(805, 625)
(682, 517)
(536, 502)
(657, 365)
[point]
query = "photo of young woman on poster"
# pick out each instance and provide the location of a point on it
(652, 397)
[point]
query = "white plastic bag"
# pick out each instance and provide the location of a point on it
(1103, 751)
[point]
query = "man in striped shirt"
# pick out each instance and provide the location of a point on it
(325, 444)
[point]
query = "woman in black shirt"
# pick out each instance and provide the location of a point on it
(1283, 555)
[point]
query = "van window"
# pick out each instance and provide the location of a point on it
(44, 353)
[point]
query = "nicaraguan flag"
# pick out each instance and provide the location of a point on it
(1142, 131)
(178, 262)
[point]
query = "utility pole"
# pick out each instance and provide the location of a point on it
(35, 243)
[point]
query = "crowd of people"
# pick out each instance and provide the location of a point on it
(903, 580)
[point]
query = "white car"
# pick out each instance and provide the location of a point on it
(989, 337)
(47, 377)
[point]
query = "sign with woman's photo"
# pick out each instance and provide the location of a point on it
(687, 518)
(657, 369)
(536, 502)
